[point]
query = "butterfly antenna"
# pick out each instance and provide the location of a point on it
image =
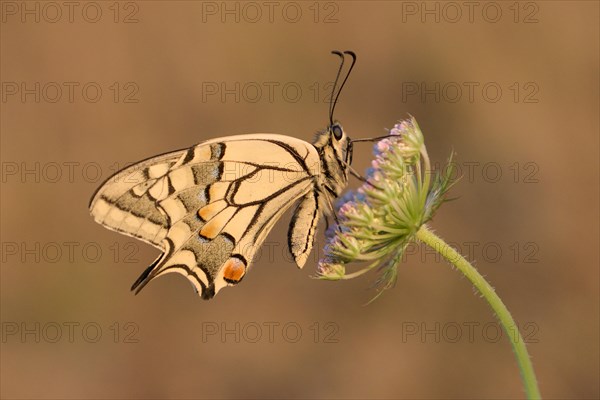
(337, 77)
(353, 55)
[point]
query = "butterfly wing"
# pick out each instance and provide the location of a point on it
(209, 207)
(125, 203)
(303, 227)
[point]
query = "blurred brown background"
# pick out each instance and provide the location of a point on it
(92, 86)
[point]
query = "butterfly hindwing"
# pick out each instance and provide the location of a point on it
(303, 227)
(214, 204)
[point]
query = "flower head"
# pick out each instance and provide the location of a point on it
(379, 220)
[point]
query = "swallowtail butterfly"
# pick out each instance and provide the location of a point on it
(209, 208)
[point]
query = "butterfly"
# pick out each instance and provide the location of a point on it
(210, 207)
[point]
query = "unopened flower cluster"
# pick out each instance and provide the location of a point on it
(382, 217)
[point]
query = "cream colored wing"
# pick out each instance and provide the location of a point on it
(210, 207)
(303, 227)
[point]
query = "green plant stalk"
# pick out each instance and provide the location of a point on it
(506, 320)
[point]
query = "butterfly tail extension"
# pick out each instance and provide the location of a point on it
(146, 276)
(184, 262)
(156, 269)
(206, 293)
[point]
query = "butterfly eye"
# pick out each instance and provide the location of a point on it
(337, 132)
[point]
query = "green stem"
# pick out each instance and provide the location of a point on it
(506, 320)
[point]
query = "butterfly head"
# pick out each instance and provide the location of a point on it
(335, 152)
(334, 137)
(340, 142)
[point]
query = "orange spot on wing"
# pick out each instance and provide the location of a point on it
(204, 212)
(209, 231)
(210, 210)
(234, 270)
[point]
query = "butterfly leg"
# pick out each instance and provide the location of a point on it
(330, 205)
(358, 176)
(362, 178)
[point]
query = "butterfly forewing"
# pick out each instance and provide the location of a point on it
(124, 202)
(210, 207)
